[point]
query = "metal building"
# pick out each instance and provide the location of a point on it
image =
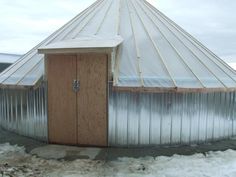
(119, 74)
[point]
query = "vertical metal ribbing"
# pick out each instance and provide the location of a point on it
(35, 113)
(229, 114)
(5, 108)
(181, 118)
(128, 127)
(139, 117)
(213, 128)
(38, 113)
(150, 116)
(199, 116)
(21, 112)
(207, 113)
(227, 120)
(46, 107)
(162, 101)
(232, 111)
(16, 111)
(223, 112)
(116, 116)
(172, 99)
(8, 109)
(190, 97)
(27, 113)
(218, 107)
(11, 112)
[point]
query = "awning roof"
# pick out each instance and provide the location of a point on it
(95, 43)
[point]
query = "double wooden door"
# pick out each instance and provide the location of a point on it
(78, 115)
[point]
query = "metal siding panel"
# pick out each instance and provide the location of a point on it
(166, 119)
(121, 120)
(176, 119)
(142, 119)
(133, 115)
(21, 112)
(155, 125)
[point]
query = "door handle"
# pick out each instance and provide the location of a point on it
(76, 85)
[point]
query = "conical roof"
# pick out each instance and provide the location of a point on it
(155, 52)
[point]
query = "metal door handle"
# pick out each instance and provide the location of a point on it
(76, 85)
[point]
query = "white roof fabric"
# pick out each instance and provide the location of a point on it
(155, 52)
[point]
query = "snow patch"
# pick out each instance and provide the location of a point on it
(14, 161)
(7, 148)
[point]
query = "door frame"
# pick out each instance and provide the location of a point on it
(108, 78)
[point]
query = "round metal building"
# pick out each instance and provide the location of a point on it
(119, 74)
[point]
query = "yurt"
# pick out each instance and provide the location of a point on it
(119, 74)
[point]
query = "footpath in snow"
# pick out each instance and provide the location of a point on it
(15, 162)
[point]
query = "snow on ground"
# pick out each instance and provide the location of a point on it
(15, 162)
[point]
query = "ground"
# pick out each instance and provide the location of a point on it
(14, 161)
(24, 157)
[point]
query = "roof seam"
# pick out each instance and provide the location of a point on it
(74, 36)
(29, 71)
(103, 19)
(21, 65)
(181, 58)
(213, 62)
(117, 64)
(136, 47)
(56, 33)
(176, 26)
(155, 46)
(86, 13)
(200, 60)
(117, 56)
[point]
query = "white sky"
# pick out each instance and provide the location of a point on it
(25, 23)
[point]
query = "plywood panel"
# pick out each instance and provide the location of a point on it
(61, 71)
(92, 99)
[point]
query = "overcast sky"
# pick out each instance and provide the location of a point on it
(25, 23)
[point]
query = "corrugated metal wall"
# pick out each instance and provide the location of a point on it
(135, 119)
(140, 119)
(24, 111)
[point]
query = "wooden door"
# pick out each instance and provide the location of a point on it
(92, 99)
(61, 71)
(77, 117)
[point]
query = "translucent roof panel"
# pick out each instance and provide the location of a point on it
(154, 51)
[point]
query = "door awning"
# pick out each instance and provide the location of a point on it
(82, 44)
